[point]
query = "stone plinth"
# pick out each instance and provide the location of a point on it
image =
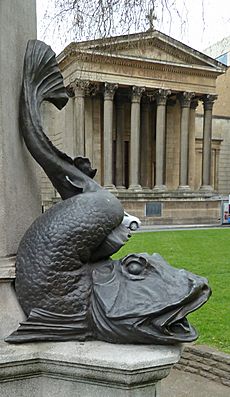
(19, 186)
(84, 369)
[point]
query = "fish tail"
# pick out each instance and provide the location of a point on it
(42, 73)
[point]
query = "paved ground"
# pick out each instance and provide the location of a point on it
(158, 228)
(185, 384)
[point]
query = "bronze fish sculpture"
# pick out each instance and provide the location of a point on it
(66, 282)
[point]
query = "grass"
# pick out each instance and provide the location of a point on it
(204, 252)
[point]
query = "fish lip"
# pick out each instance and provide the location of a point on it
(192, 305)
(172, 326)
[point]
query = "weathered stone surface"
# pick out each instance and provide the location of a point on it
(84, 369)
(185, 384)
(19, 187)
(207, 362)
(11, 312)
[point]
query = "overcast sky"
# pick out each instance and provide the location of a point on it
(205, 25)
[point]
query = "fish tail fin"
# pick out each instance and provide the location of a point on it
(42, 73)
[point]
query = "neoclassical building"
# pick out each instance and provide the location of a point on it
(132, 112)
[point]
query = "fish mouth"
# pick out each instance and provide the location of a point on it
(172, 326)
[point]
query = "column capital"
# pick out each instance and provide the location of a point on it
(137, 93)
(79, 87)
(185, 98)
(208, 101)
(91, 88)
(161, 96)
(194, 103)
(109, 91)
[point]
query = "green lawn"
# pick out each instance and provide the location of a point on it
(207, 253)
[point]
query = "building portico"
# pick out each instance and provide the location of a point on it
(133, 107)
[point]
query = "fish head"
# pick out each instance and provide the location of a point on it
(142, 299)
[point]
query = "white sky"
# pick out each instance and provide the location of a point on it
(205, 25)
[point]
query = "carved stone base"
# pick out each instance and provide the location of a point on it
(184, 188)
(110, 187)
(159, 188)
(136, 188)
(206, 188)
(84, 369)
(11, 312)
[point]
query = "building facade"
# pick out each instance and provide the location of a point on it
(132, 112)
(221, 115)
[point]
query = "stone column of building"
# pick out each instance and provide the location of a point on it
(92, 129)
(78, 87)
(108, 134)
(191, 144)
(120, 144)
(185, 101)
(208, 102)
(161, 99)
(146, 145)
(134, 165)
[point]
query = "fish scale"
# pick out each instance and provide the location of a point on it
(39, 262)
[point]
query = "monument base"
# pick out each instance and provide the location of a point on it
(84, 369)
(11, 312)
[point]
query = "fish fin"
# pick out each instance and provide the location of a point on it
(84, 164)
(112, 243)
(42, 325)
(78, 189)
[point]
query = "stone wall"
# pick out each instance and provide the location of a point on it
(221, 133)
(177, 212)
(222, 105)
(207, 362)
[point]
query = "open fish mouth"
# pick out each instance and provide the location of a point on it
(173, 326)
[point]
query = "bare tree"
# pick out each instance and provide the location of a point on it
(89, 19)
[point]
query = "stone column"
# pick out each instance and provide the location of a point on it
(185, 100)
(69, 139)
(208, 102)
(92, 127)
(161, 98)
(120, 144)
(146, 145)
(20, 197)
(108, 134)
(79, 87)
(191, 144)
(134, 160)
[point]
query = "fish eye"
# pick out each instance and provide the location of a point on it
(134, 268)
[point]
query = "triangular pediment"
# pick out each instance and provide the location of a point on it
(151, 46)
(156, 51)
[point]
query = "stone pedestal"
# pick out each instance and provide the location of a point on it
(19, 187)
(84, 369)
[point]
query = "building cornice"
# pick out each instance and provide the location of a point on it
(137, 62)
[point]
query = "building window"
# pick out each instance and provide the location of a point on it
(153, 208)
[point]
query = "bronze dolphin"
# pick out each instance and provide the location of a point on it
(66, 282)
